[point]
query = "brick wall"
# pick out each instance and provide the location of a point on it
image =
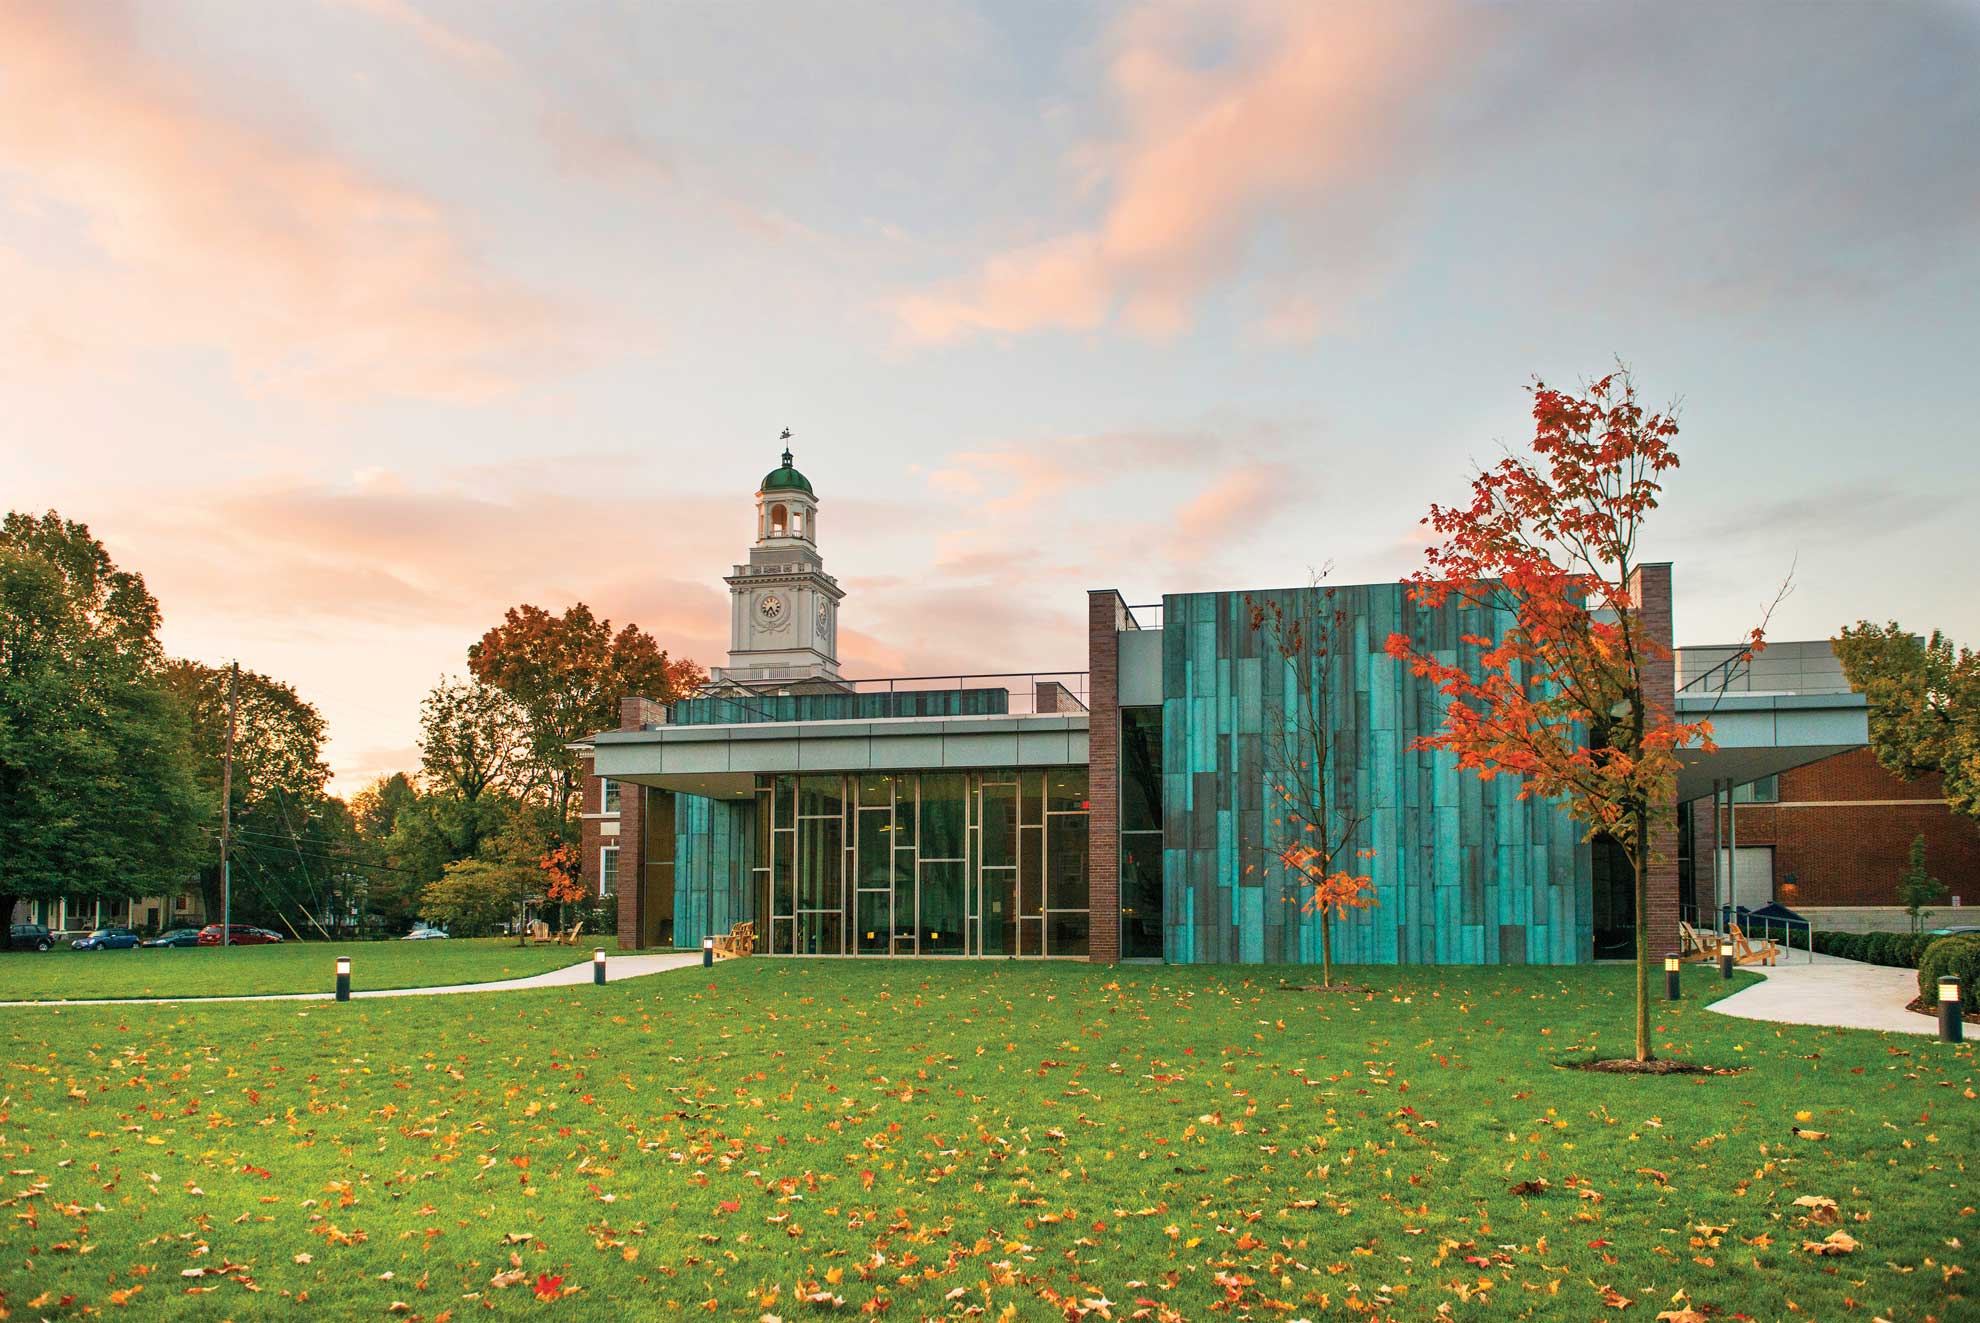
(634, 714)
(1106, 616)
(1844, 827)
(1651, 588)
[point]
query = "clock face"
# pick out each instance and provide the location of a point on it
(824, 621)
(770, 607)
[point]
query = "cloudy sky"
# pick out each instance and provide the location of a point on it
(351, 323)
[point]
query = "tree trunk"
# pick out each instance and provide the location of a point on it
(1642, 934)
(1326, 951)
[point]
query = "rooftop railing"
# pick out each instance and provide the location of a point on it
(1031, 692)
(1148, 615)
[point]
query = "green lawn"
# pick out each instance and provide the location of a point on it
(945, 1137)
(66, 975)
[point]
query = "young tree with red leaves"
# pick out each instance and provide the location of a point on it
(1316, 805)
(1559, 700)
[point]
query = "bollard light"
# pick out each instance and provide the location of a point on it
(1725, 962)
(1671, 964)
(708, 953)
(343, 978)
(598, 966)
(1952, 1024)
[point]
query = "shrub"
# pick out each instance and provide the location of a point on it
(1959, 955)
(1849, 946)
(1881, 948)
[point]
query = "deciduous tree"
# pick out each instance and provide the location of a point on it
(97, 795)
(278, 784)
(1315, 816)
(568, 672)
(1559, 698)
(1924, 697)
(473, 738)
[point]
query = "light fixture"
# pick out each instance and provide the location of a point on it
(598, 965)
(343, 978)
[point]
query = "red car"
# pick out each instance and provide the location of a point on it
(242, 936)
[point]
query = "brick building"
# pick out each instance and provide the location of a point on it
(1119, 811)
(1827, 838)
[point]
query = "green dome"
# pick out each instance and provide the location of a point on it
(786, 479)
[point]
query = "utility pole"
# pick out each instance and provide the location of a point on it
(227, 809)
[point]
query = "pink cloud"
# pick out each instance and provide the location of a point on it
(310, 274)
(1298, 128)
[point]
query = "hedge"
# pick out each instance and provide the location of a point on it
(1901, 950)
(1959, 954)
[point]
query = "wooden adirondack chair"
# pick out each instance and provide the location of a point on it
(570, 938)
(1746, 953)
(1694, 945)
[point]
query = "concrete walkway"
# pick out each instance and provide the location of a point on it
(1831, 991)
(617, 969)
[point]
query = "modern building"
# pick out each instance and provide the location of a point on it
(1128, 809)
(1827, 838)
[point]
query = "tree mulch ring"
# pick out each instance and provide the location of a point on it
(1927, 1006)
(1655, 1066)
(1339, 989)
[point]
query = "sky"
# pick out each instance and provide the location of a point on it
(351, 323)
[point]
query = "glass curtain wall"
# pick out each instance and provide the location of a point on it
(923, 863)
(1141, 833)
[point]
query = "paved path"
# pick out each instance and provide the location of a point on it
(617, 969)
(1832, 991)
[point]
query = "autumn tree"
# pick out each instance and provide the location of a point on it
(97, 795)
(1316, 818)
(1924, 700)
(567, 673)
(1552, 542)
(563, 877)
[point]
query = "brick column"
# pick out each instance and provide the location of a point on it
(1106, 616)
(1650, 587)
(634, 714)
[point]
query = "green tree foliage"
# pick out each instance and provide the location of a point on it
(293, 846)
(476, 896)
(1924, 697)
(97, 796)
(473, 738)
(1917, 888)
(567, 673)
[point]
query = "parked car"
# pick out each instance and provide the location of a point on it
(423, 933)
(240, 934)
(176, 937)
(30, 937)
(107, 939)
(1953, 932)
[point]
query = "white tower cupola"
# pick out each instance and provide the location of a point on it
(783, 607)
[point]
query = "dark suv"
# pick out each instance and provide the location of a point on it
(29, 937)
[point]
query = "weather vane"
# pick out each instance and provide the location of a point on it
(786, 437)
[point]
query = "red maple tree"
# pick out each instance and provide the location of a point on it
(1558, 699)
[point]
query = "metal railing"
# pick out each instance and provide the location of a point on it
(1148, 615)
(1766, 926)
(1031, 692)
(1731, 666)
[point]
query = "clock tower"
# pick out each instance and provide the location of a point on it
(783, 607)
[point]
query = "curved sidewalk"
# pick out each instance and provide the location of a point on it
(1827, 990)
(617, 970)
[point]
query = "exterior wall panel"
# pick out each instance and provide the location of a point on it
(1464, 871)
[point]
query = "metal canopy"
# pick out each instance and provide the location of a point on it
(723, 761)
(1760, 734)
